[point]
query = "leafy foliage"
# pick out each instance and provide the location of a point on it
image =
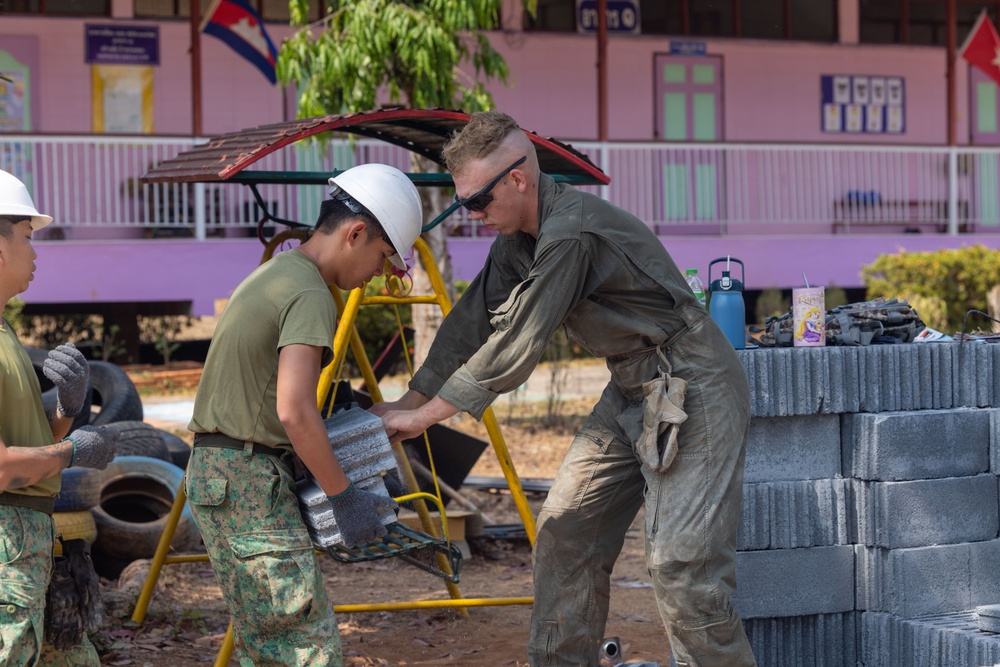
(941, 285)
(411, 49)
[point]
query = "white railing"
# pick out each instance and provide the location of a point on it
(93, 182)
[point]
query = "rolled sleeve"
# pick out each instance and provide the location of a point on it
(426, 381)
(465, 393)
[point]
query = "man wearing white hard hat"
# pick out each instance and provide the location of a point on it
(256, 406)
(30, 464)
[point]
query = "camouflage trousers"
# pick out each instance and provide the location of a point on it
(26, 539)
(691, 517)
(246, 508)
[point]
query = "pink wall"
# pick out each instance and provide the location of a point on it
(200, 272)
(771, 89)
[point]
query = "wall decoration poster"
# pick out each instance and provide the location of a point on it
(122, 99)
(15, 99)
(832, 117)
(866, 104)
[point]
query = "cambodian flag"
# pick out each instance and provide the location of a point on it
(239, 26)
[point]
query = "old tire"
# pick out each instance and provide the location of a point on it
(180, 450)
(136, 498)
(136, 438)
(74, 525)
(114, 392)
(80, 489)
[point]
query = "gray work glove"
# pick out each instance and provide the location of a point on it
(67, 368)
(93, 446)
(358, 514)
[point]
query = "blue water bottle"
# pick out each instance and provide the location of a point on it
(725, 303)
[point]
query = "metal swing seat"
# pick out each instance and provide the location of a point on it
(225, 159)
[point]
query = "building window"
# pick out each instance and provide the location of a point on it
(57, 7)
(809, 20)
(269, 10)
(921, 22)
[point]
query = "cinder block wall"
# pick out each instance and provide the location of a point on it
(870, 512)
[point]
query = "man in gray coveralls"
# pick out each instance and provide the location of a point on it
(566, 258)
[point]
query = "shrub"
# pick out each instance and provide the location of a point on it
(952, 280)
(771, 303)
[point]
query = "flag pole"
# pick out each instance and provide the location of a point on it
(952, 24)
(195, 68)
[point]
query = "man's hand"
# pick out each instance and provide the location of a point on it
(67, 368)
(93, 446)
(403, 424)
(411, 400)
(358, 514)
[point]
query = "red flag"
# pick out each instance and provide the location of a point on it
(238, 25)
(982, 47)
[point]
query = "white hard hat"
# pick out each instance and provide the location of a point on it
(392, 199)
(15, 201)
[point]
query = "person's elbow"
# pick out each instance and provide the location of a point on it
(293, 415)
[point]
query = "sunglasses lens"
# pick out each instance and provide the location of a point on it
(478, 203)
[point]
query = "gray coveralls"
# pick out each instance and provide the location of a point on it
(605, 276)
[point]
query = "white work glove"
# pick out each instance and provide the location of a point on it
(93, 446)
(67, 368)
(358, 515)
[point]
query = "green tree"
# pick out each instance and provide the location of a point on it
(413, 50)
(422, 54)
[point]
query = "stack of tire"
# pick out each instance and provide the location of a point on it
(121, 511)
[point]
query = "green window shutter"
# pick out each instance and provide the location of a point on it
(704, 117)
(675, 191)
(986, 106)
(675, 116)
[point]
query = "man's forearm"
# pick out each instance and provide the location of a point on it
(59, 423)
(24, 466)
(311, 443)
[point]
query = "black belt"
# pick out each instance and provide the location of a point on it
(221, 441)
(44, 504)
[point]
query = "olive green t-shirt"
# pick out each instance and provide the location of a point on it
(22, 417)
(283, 302)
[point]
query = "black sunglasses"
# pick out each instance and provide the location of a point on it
(483, 198)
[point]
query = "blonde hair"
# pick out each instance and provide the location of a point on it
(484, 133)
(801, 329)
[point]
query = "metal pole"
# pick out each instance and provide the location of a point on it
(602, 70)
(195, 69)
(952, 28)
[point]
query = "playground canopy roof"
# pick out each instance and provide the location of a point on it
(227, 158)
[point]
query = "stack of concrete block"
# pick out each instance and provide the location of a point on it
(871, 499)
(361, 446)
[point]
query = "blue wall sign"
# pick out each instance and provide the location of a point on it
(683, 48)
(122, 44)
(623, 16)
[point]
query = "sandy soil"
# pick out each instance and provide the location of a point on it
(187, 618)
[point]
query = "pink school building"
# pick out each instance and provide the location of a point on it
(797, 135)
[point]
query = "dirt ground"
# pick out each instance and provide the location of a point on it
(187, 618)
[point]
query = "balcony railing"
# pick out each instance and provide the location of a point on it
(90, 185)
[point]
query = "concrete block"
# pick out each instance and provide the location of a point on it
(790, 515)
(933, 511)
(754, 529)
(793, 448)
(809, 513)
(946, 640)
(823, 640)
(941, 380)
(928, 580)
(988, 617)
(919, 444)
(794, 582)
(994, 421)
